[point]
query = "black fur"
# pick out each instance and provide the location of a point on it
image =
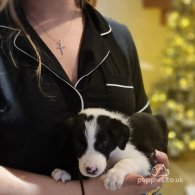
(72, 135)
(111, 133)
(149, 132)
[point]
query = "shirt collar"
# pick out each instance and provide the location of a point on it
(93, 48)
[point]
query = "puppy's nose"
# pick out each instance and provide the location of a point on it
(91, 170)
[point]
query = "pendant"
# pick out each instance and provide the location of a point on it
(60, 46)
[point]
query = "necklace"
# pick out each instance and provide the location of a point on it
(60, 42)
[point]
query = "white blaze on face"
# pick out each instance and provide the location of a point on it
(92, 163)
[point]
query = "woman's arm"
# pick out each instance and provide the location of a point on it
(16, 182)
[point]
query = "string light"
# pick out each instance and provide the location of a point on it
(174, 94)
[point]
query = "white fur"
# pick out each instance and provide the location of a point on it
(92, 158)
(62, 175)
(125, 162)
(131, 152)
(100, 111)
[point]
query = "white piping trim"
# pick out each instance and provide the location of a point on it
(147, 104)
(10, 28)
(109, 31)
(80, 96)
(92, 70)
(116, 85)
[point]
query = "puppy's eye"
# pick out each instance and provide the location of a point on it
(103, 144)
(79, 143)
(80, 147)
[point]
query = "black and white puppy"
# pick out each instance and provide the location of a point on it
(105, 140)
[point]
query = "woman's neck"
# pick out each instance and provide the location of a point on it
(45, 9)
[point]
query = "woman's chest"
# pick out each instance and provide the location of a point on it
(64, 43)
(103, 87)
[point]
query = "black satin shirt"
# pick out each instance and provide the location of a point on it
(30, 115)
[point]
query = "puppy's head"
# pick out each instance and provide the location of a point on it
(95, 136)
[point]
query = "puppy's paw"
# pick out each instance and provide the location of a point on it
(59, 174)
(114, 179)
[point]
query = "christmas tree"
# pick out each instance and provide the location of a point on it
(174, 94)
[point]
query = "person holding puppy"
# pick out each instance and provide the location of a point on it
(57, 58)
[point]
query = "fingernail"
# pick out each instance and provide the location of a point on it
(156, 151)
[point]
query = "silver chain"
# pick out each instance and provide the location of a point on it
(58, 42)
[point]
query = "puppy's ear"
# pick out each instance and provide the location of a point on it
(75, 121)
(69, 124)
(70, 127)
(120, 133)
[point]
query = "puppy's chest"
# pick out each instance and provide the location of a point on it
(117, 155)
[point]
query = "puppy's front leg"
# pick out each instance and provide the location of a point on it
(115, 177)
(59, 174)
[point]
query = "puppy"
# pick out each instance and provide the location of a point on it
(105, 140)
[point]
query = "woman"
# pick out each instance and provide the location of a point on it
(58, 57)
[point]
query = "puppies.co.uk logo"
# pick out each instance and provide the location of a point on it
(160, 174)
(160, 171)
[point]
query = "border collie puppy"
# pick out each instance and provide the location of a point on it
(105, 140)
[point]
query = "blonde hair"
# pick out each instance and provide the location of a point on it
(11, 7)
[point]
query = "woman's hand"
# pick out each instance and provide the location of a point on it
(131, 187)
(162, 158)
(133, 184)
(141, 185)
